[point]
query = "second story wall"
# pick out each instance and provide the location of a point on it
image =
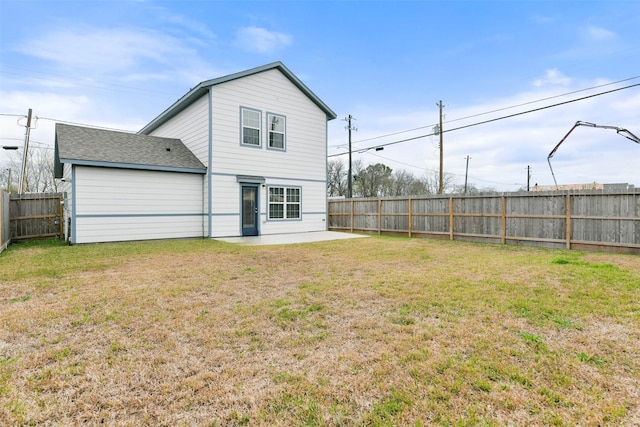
(299, 149)
(191, 126)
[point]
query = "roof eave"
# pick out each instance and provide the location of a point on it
(204, 87)
(175, 108)
(284, 70)
(136, 166)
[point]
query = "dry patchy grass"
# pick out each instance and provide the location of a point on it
(378, 331)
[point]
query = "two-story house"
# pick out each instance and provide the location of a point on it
(244, 154)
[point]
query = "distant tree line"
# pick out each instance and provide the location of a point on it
(39, 176)
(379, 180)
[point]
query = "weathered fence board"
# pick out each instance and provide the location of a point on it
(35, 216)
(5, 233)
(580, 219)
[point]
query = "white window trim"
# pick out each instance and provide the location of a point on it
(270, 117)
(242, 127)
(284, 203)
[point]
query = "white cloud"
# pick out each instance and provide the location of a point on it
(501, 150)
(43, 104)
(599, 33)
(105, 49)
(107, 57)
(261, 40)
(189, 25)
(552, 77)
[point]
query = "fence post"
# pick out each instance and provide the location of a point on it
(379, 216)
(410, 218)
(567, 231)
(504, 221)
(61, 218)
(351, 222)
(451, 218)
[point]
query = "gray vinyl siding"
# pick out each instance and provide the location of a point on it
(216, 117)
(302, 164)
(312, 208)
(272, 92)
(191, 126)
(226, 207)
(125, 204)
(66, 189)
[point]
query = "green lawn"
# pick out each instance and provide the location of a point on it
(377, 331)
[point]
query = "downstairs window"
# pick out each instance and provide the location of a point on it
(284, 203)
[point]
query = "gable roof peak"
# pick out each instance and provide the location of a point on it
(204, 86)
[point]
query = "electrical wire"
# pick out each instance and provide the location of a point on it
(31, 141)
(69, 123)
(541, 108)
(435, 171)
(493, 111)
(84, 124)
(490, 120)
(542, 99)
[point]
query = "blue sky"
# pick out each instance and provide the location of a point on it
(119, 64)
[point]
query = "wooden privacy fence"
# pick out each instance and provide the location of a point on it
(588, 220)
(36, 216)
(5, 234)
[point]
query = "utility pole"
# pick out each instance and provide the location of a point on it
(350, 177)
(466, 173)
(25, 154)
(528, 176)
(440, 186)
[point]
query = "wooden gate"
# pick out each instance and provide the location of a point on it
(36, 216)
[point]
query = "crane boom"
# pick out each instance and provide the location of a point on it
(620, 131)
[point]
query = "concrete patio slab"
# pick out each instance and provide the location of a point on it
(290, 238)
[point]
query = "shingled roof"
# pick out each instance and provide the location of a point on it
(99, 147)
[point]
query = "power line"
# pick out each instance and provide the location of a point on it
(494, 111)
(542, 99)
(434, 170)
(542, 108)
(384, 136)
(496, 119)
(84, 124)
(45, 145)
(70, 123)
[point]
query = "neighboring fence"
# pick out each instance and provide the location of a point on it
(5, 234)
(36, 216)
(590, 220)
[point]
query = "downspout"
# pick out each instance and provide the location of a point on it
(209, 171)
(326, 175)
(74, 197)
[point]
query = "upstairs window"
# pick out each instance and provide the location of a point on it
(277, 128)
(251, 127)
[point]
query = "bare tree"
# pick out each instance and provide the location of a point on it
(373, 180)
(404, 183)
(432, 182)
(39, 172)
(473, 189)
(336, 178)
